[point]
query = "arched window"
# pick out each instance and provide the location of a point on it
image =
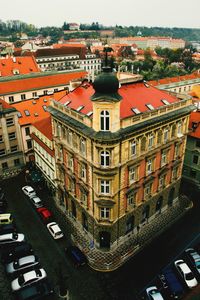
(105, 158)
(159, 137)
(105, 120)
(173, 130)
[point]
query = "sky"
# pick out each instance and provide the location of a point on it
(168, 13)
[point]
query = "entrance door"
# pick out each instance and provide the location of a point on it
(104, 239)
(171, 197)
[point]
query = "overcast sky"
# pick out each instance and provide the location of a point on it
(168, 13)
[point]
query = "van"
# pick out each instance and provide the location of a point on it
(6, 219)
(175, 287)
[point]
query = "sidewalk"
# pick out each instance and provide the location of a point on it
(194, 294)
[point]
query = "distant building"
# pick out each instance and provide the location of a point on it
(18, 66)
(74, 26)
(31, 86)
(119, 154)
(11, 147)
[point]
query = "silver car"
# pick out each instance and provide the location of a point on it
(37, 202)
(22, 263)
(153, 293)
(27, 279)
(11, 238)
(29, 191)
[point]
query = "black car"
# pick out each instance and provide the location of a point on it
(7, 228)
(77, 256)
(39, 291)
(18, 251)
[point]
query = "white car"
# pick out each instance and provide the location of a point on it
(21, 264)
(55, 230)
(29, 191)
(11, 238)
(186, 273)
(28, 278)
(153, 293)
(37, 202)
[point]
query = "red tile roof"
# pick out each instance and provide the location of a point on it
(134, 95)
(5, 105)
(38, 82)
(36, 108)
(195, 118)
(58, 46)
(71, 50)
(174, 79)
(24, 65)
(45, 127)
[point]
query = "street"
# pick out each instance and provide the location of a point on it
(84, 283)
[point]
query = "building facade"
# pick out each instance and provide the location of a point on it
(11, 148)
(119, 155)
(191, 168)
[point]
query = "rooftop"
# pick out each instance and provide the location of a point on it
(137, 98)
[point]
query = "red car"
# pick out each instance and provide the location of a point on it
(45, 214)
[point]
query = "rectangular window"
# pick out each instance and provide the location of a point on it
(176, 151)
(23, 96)
(82, 146)
(166, 135)
(83, 197)
(198, 143)
(83, 171)
(175, 173)
(45, 92)
(149, 166)
(163, 158)
(16, 162)
(34, 94)
(104, 213)
(105, 187)
(133, 148)
(132, 199)
(1, 138)
(2, 152)
(147, 190)
(12, 135)
(72, 185)
(151, 141)
(195, 159)
(9, 122)
(162, 181)
(29, 144)
(27, 131)
(11, 99)
(70, 162)
(4, 165)
(132, 174)
(14, 148)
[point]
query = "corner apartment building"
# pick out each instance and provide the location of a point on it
(119, 155)
(11, 148)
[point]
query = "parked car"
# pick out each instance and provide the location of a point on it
(77, 256)
(55, 230)
(20, 250)
(45, 214)
(194, 258)
(172, 283)
(28, 278)
(11, 238)
(39, 290)
(186, 273)
(29, 191)
(7, 228)
(37, 202)
(22, 263)
(153, 293)
(6, 219)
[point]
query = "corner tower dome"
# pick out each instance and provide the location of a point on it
(106, 86)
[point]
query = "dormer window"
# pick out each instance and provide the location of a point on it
(105, 120)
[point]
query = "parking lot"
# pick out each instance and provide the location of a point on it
(83, 283)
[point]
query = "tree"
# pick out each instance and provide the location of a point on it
(65, 26)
